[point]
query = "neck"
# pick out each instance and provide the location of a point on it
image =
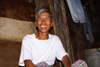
(42, 36)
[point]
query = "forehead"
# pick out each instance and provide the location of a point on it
(44, 14)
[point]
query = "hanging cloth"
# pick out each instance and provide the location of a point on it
(87, 28)
(76, 11)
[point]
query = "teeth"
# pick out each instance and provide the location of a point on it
(43, 26)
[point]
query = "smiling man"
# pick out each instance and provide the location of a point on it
(41, 49)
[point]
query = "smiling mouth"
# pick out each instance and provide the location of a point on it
(43, 26)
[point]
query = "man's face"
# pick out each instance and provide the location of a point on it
(44, 22)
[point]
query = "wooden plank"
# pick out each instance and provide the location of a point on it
(55, 26)
(51, 3)
(85, 4)
(60, 24)
(17, 10)
(56, 10)
(91, 5)
(66, 32)
(97, 6)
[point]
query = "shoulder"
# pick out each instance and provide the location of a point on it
(28, 36)
(55, 37)
(27, 40)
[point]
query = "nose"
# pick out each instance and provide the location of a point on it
(43, 21)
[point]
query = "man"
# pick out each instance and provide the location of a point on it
(42, 47)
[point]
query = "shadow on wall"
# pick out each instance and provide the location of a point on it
(9, 53)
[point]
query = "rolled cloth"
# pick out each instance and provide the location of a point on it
(79, 63)
(43, 64)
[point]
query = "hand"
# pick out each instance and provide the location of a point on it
(28, 63)
(66, 61)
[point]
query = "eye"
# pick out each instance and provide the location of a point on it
(39, 18)
(47, 18)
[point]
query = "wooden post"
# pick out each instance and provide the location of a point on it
(66, 32)
(91, 5)
(60, 24)
(51, 3)
(85, 4)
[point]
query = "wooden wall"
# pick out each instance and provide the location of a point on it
(42, 4)
(17, 10)
(9, 53)
(21, 11)
(77, 34)
(75, 31)
(60, 24)
(95, 23)
(25, 11)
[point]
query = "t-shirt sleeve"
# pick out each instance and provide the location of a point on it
(25, 51)
(60, 50)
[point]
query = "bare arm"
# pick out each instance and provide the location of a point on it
(28, 63)
(66, 61)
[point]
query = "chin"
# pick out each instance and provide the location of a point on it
(44, 32)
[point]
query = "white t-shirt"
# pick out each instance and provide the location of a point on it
(41, 50)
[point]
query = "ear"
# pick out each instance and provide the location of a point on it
(36, 23)
(51, 24)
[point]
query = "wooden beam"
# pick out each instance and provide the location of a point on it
(51, 3)
(66, 32)
(97, 6)
(91, 5)
(60, 25)
(85, 4)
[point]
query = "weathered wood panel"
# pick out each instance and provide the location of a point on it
(13, 30)
(41, 4)
(14, 0)
(51, 4)
(58, 25)
(17, 10)
(95, 24)
(9, 53)
(66, 32)
(61, 27)
(78, 38)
